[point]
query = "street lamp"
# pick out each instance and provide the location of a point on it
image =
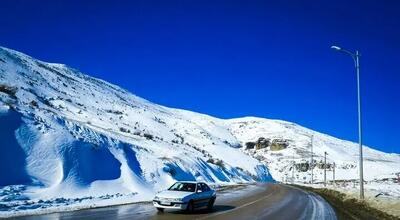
(356, 58)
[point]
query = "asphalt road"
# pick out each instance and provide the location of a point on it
(266, 201)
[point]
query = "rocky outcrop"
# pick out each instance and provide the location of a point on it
(322, 165)
(262, 143)
(279, 144)
(302, 167)
(250, 145)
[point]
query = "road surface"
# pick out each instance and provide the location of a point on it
(266, 201)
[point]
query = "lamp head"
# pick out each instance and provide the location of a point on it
(336, 48)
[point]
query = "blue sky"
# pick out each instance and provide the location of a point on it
(230, 58)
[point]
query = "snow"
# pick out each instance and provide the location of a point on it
(320, 208)
(82, 142)
(79, 142)
(344, 154)
(3, 108)
(383, 194)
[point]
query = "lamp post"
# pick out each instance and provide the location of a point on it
(356, 58)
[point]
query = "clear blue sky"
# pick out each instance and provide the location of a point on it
(230, 58)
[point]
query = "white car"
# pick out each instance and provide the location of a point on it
(185, 195)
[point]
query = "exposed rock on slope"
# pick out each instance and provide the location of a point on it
(290, 148)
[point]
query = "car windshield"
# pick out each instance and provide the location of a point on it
(186, 187)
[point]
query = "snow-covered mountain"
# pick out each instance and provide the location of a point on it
(67, 135)
(68, 138)
(283, 145)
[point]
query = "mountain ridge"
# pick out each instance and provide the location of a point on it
(177, 108)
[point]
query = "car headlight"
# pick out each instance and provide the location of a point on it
(176, 200)
(156, 198)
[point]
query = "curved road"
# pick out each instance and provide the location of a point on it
(266, 201)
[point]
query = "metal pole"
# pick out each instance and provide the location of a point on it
(334, 173)
(357, 57)
(325, 169)
(312, 160)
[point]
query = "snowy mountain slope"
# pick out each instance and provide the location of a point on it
(80, 138)
(343, 154)
(70, 141)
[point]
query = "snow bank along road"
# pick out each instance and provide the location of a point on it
(266, 201)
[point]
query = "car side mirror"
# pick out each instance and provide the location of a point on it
(199, 191)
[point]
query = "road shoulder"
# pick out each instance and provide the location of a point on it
(348, 208)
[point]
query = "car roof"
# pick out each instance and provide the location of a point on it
(189, 182)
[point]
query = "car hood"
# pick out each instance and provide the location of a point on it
(173, 194)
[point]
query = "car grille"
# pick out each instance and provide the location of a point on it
(167, 202)
(164, 204)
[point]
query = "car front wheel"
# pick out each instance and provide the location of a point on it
(211, 204)
(190, 207)
(160, 209)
